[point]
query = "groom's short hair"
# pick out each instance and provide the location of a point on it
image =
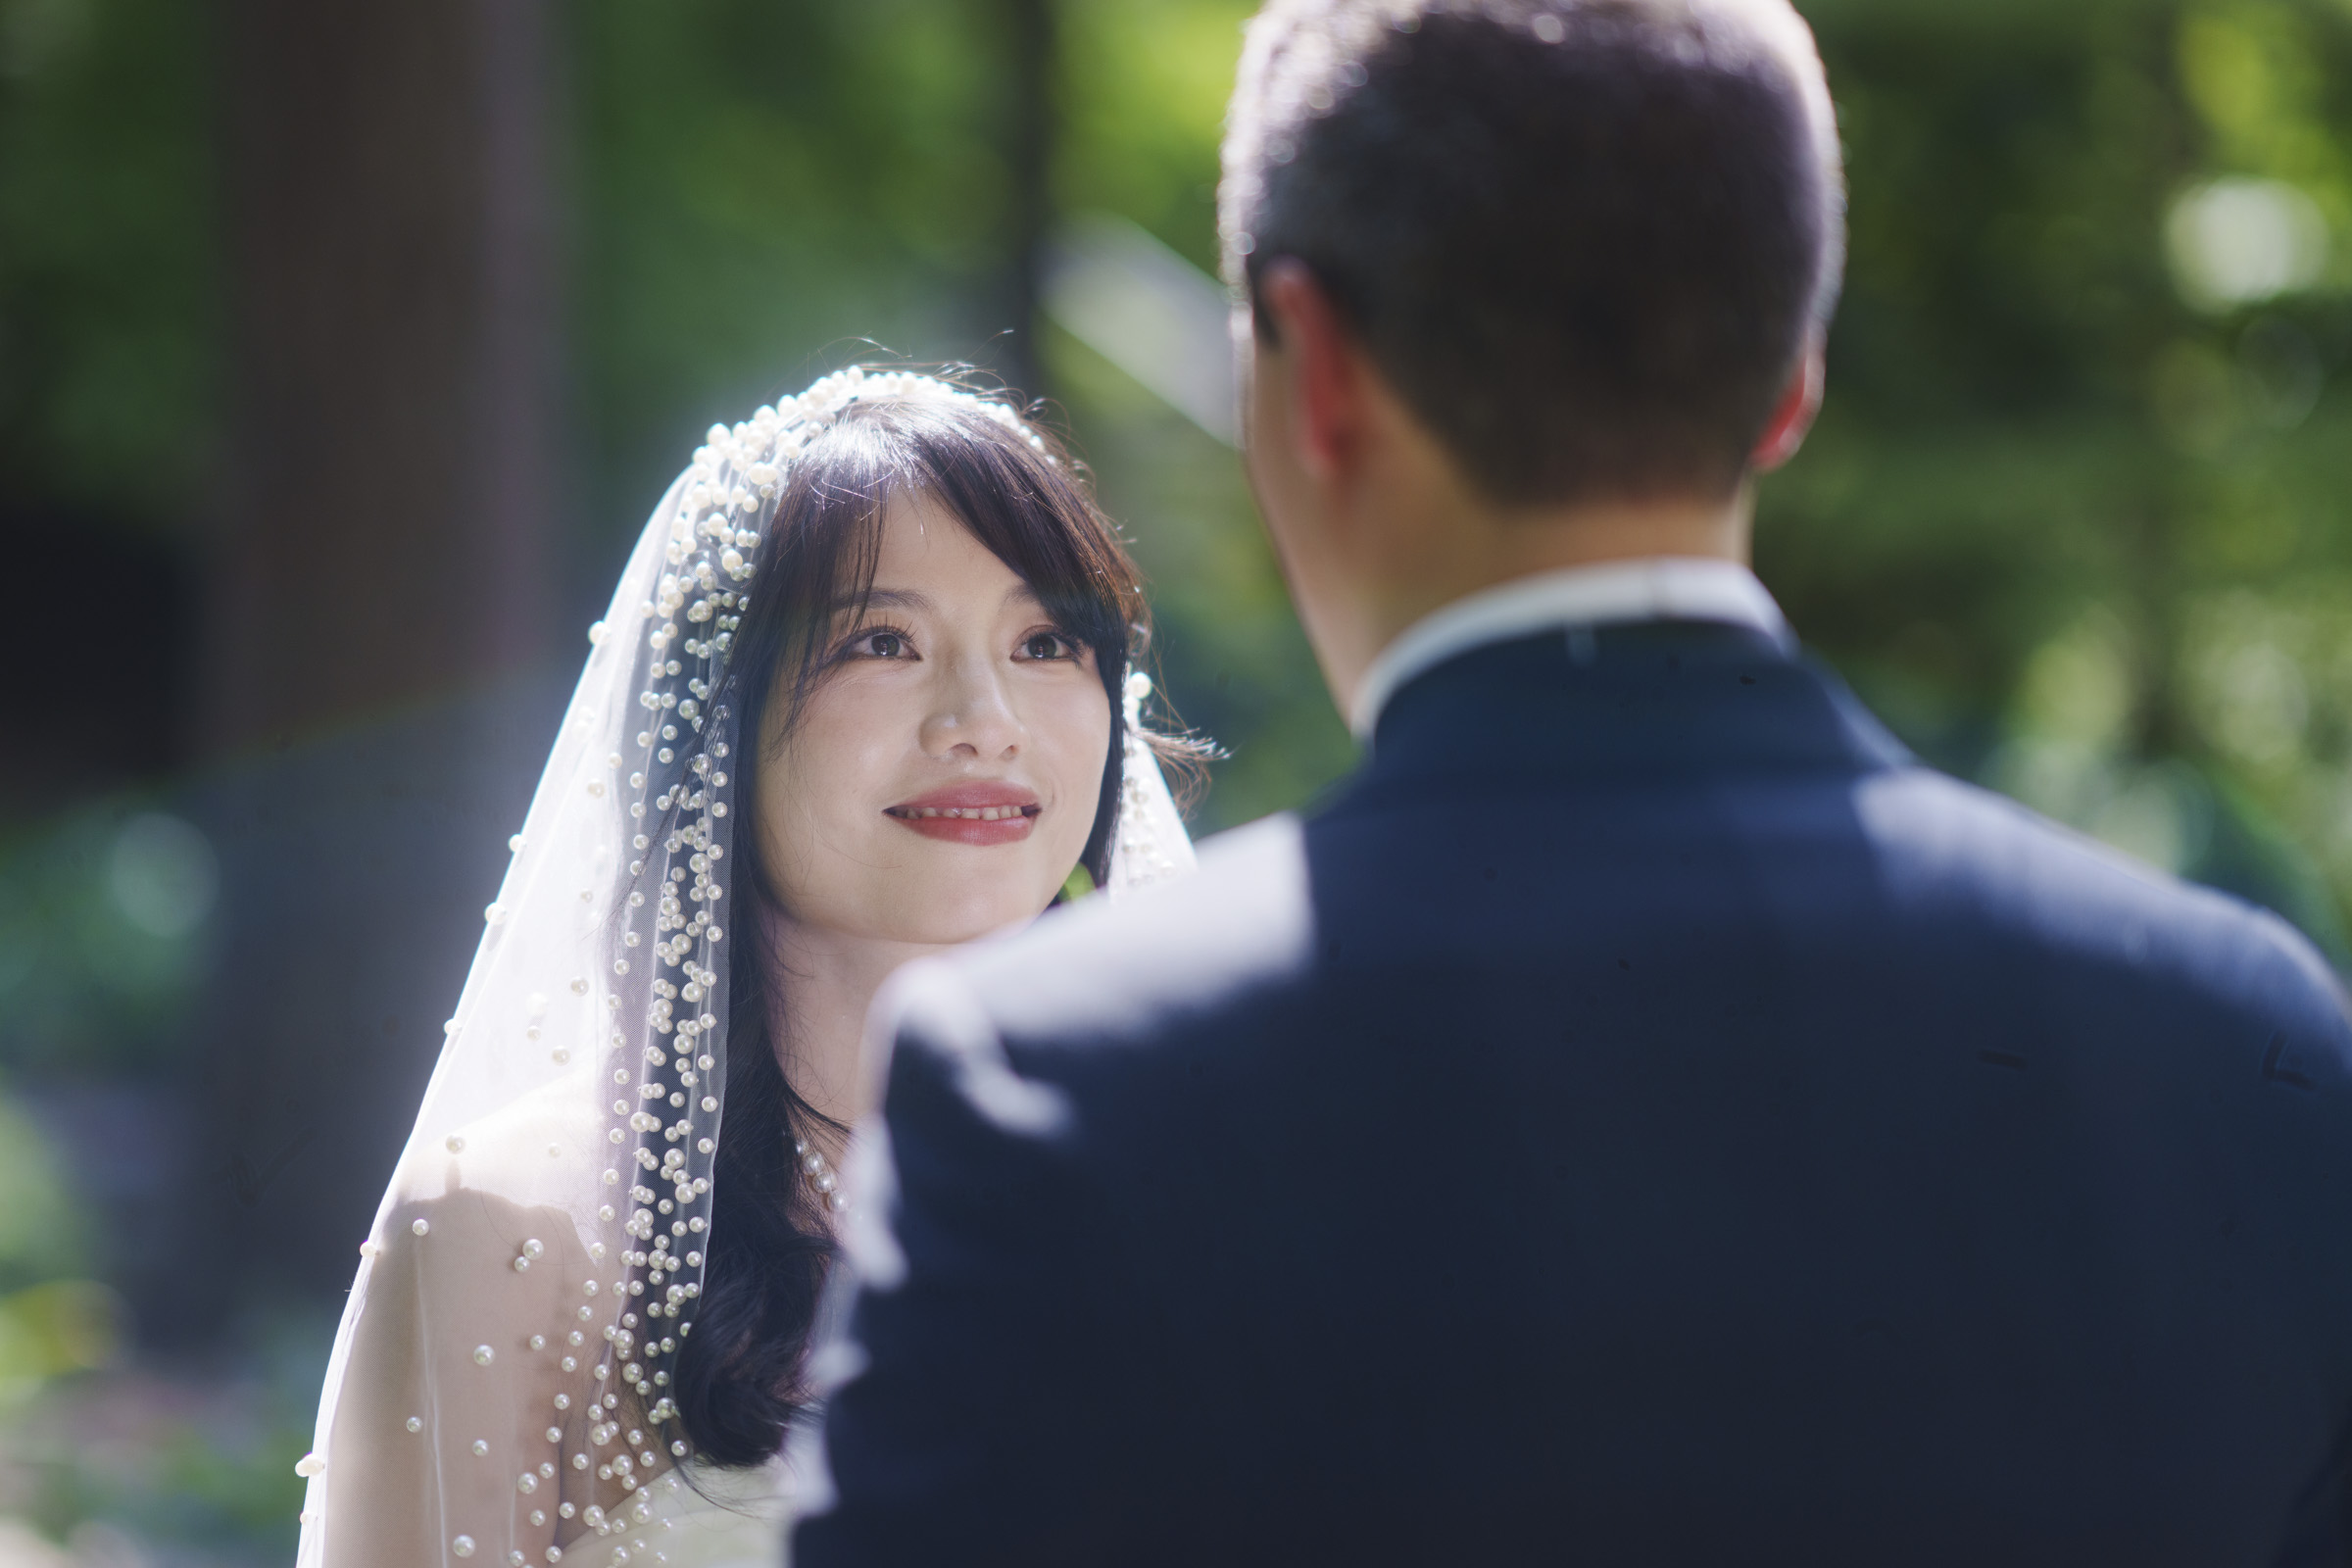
(1585, 240)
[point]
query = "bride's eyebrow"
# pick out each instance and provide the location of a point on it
(882, 599)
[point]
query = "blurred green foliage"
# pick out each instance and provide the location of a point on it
(133, 1467)
(55, 1325)
(762, 193)
(2071, 533)
(103, 930)
(1143, 90)
(52, 1322)
(2071, 521)
(110, 299)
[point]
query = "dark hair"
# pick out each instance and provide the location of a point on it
(1587, 240)
(739, 1377)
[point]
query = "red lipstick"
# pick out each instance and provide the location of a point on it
(982, 811)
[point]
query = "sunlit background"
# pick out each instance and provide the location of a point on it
(344, 348)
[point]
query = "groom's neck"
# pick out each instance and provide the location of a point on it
(1422, 541)
(1378, 523)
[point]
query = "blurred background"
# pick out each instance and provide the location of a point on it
(343, 350)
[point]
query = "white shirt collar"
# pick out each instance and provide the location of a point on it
(1657, 588)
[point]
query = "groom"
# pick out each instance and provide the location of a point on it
(1644, 1116)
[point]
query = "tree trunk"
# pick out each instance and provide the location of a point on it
(381, 591)
(391, 277)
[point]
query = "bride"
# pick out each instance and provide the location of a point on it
(881, 629)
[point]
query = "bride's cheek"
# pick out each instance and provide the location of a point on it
(1080, 739)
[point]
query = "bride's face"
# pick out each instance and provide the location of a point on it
(943, 777)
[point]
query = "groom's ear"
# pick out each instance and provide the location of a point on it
(1793, 417)
(1325, 389)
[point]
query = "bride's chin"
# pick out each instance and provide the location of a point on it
(943, 917)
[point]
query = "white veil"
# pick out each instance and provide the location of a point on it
(499, 1386)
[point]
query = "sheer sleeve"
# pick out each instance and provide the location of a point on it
(474, 1420)
(440, 1443)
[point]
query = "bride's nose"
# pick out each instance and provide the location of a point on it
(971, 717)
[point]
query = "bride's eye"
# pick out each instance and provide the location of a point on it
(1048, 645)
(881, 643)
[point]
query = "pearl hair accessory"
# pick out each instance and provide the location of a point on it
(821, 1177)
(547, 1226)
(1150, 832)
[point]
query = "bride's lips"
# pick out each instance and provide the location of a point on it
(971, 813)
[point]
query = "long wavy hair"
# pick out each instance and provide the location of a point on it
(739, 1375)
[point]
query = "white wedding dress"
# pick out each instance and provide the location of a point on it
(499, 1390)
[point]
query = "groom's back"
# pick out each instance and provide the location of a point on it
(1643, 1115)
(1756, 1158)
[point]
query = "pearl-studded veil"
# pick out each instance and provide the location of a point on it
(498, 1388)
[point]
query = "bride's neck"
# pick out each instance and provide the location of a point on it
(830, 980)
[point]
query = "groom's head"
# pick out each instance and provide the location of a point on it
(1585, 240)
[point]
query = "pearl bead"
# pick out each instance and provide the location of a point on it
(310, 1464)
(455, 1144)
(538, 1342)
(419, 1227)
(555, 1434)
(414, 1424)
(462, 1546)
(481, 1447)
(481, 1355)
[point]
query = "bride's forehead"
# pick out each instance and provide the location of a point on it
(920, 537)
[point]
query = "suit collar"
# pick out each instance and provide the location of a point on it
(1655, 588)
(1648, 701)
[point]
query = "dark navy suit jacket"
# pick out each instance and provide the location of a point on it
(1643, 1118)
